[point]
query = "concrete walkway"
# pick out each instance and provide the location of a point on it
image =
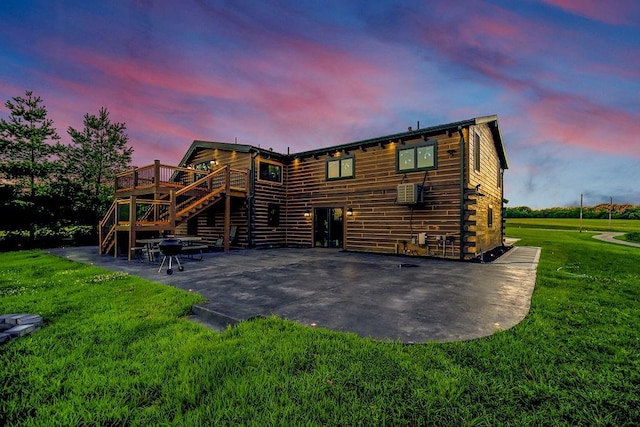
(610, 238)
(380, 296)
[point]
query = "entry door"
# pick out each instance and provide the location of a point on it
(328, 226)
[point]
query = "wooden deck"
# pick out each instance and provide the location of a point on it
(159, 198)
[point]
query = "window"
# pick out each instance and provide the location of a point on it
(341, 168)
(202, 166)
(490, 217)
(273, 215)
(270, 172)
(418, 157)
(476, 152)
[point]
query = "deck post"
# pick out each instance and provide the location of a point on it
(156, 178)
(132, 227)
(172, 208)
(227, 209)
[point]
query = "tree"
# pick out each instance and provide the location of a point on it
(28, 153)
(97, 153)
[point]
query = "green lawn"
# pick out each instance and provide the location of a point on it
(116, 350)
(623, 225)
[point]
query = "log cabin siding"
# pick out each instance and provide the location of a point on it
(484, 237)
(266, 193)
(237, 160)
(210, 223)
(453, 217)
(378, 223)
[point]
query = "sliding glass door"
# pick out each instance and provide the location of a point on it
(328, 227)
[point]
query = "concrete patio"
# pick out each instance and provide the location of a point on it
(385, 297)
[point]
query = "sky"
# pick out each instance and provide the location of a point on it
(563, 76)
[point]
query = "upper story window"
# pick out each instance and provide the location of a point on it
(423, 156)
(270, 172)
(341, 168)
(202, 166)
(476, 152)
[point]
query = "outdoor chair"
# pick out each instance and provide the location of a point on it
(232, 237)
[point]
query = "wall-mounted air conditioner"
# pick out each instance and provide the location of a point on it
(409, 194)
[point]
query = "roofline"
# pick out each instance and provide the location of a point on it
(491, 121)
(499, 143)
(242, 148)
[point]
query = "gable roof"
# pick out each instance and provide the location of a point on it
(227, 146)
(491, 121)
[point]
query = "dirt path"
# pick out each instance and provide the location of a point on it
(609, 237)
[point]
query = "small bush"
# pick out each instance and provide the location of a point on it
(45, 237)
(632, 237)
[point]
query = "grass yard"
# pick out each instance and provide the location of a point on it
(117, 350)
(633, 237)
(623, 225)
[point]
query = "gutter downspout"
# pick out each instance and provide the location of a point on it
(462, 188)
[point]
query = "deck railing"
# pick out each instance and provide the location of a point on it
(177, 177)
(191, 186)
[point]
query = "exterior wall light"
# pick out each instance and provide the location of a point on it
(349, 211)
(307, 213)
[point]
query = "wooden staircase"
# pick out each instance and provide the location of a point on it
(199, 205)
(160, 198)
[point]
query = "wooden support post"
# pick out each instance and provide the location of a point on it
(132, 227)
(172, 208)
(115, 232)
(156, 178)
(227, 209)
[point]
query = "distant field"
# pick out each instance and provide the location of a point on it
(622, 225)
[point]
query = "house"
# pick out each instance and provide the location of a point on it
(434, 191)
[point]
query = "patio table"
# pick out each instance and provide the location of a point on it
(152, 244)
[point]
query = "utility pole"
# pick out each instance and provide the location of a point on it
(610, 209)
(581, 212)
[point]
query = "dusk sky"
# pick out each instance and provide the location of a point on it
(563, 76)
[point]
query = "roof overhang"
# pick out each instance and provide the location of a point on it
(494, 127)
(425, 133)
(226, 146)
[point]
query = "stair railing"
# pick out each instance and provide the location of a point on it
(106, 228)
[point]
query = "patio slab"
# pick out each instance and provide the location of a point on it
(368, 294)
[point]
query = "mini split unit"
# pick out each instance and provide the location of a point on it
(409, 194)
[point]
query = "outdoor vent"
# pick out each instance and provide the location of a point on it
(409, 194)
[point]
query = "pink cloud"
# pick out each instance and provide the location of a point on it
(297, 86)
(620, 12)
(151, 134)
(576, 121)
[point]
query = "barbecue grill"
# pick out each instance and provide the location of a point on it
(170, 248)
